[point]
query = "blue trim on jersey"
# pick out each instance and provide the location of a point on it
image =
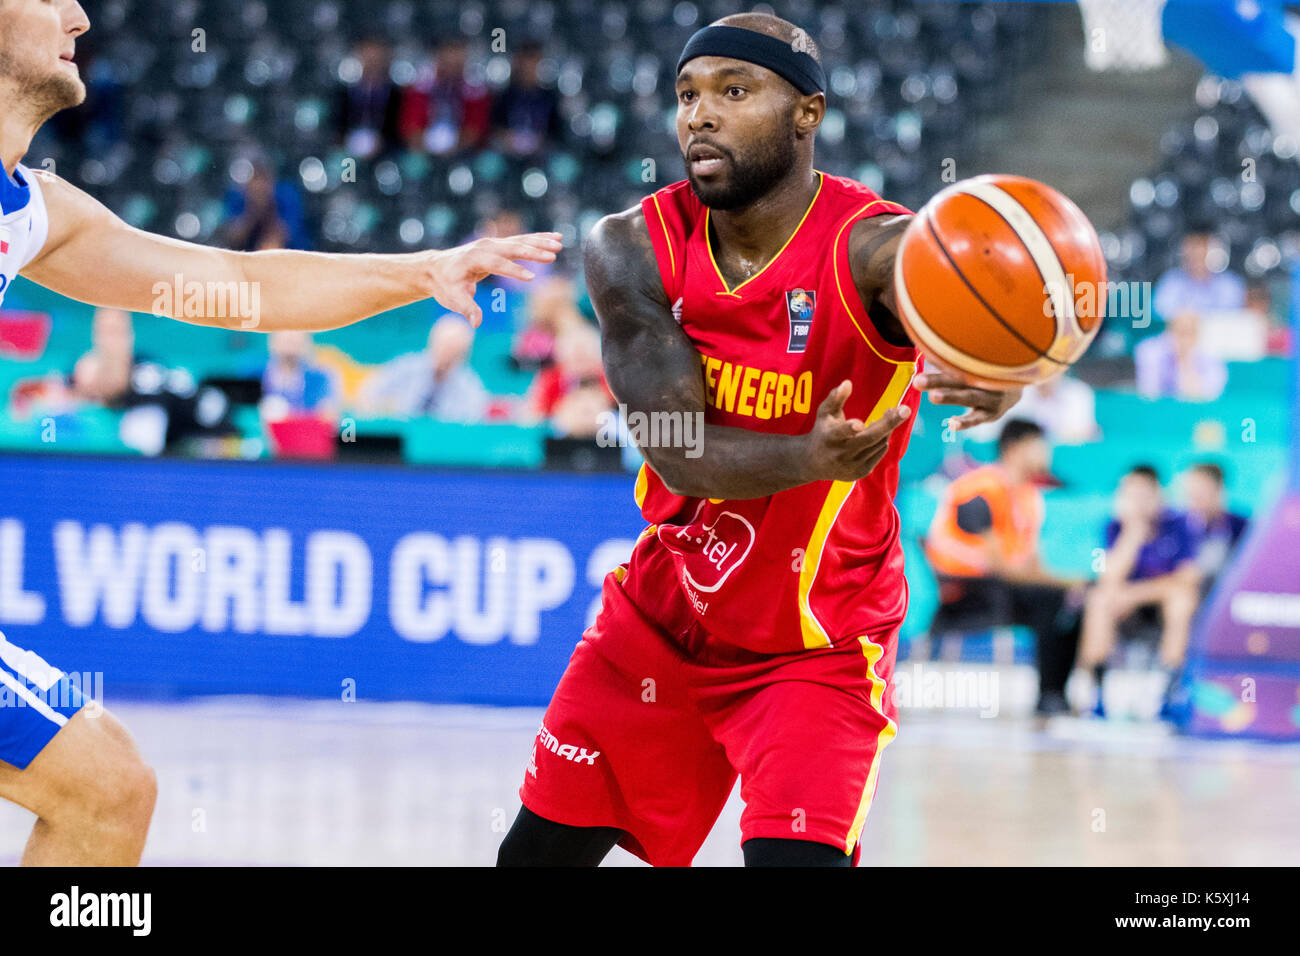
(15, 194)
(25, 727)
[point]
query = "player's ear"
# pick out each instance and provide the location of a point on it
(808, 113)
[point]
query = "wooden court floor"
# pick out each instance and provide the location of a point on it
(255, 782)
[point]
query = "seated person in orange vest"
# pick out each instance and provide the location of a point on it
(1148, 574)
(983, 545)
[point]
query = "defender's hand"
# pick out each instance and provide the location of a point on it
(986, 405)
(845, 449)
(452, 274)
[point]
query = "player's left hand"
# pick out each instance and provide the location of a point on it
(986, 405)
(454, 273)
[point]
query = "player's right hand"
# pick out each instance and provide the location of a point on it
(453, 273)
(846, 449)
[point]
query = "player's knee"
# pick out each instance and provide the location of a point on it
(116, 789)
(136, 794)
(124, 797)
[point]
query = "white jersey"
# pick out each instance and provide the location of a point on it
(24, 223)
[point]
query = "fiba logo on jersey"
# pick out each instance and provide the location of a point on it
(4, 241)
(799, 305)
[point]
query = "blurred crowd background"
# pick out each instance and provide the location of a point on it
(398, 125)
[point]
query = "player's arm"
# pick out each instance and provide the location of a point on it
(93, 256)
(652, 367)
(873, 244)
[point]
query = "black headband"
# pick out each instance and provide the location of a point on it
(798, 67)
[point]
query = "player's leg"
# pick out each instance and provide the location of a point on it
(92, 793)
(770, 851)
(622, 755)
(535, 841)
(71, 763)
(806, 735)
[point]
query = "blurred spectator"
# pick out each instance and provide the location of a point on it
(571, 393)
(1214, 529)
(293, 384)
(161, 407)
(503, 298)
(552, 309)
(501, 225)
(369, 107)
(299, 406)
(443, 112)
(1259, 300)
(1201, 281)
(1148, 578)
(526, 115)
(263, 213)
(1173, 365)
(103, 375)
(983, 546)
(1064, 407)
(436, 382)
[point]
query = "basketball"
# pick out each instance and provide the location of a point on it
(1002, 279)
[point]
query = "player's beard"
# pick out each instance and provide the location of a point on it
(766, 164)
(39, 95)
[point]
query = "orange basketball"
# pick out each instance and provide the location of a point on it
(1002, 279)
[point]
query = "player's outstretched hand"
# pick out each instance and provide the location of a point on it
(453, 273)
(948, 388)
(846, 449)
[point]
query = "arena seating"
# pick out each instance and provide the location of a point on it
(909, 82)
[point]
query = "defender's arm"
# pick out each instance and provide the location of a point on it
(873, 244)
(93, 256)
(652, 367)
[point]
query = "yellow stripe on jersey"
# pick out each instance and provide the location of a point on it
(668, 240)
(873, 652)
(814, 635)
(641, 487)
(839, 287)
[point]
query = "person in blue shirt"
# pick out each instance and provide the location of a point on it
(1148, 574)
(1213, 529)
(1193, 285)
(293, 385)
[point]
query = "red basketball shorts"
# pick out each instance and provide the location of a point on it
(648, 730)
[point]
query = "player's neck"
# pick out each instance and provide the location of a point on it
(16, 134)
(758, 231)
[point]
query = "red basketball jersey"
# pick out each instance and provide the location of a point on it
(820, 563)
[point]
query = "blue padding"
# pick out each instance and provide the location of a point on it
(1232, 37)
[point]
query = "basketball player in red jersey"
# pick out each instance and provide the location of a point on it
(72, 765)
(753, 630)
